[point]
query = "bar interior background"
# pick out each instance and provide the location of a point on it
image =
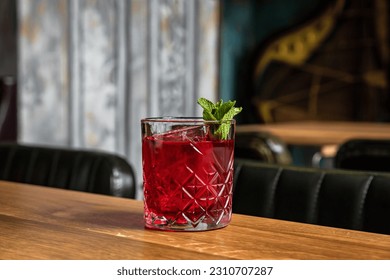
(88, 71)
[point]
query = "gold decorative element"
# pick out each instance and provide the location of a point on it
(294, 49)
(376, 78)
(297, 46)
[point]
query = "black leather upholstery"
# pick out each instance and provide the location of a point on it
(8, 109)
(82, 170)
(338, 198)
(364, 154)
(261, 146)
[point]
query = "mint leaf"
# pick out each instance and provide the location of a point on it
(208, 115)
(224, 127)
(207, 105)
(220, 111)
(223, 109)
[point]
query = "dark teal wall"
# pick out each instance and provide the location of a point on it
(247, 23)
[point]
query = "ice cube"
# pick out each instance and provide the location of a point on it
(183, 133)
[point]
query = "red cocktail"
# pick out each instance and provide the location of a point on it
(188, 174)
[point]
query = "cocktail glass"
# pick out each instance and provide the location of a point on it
(187, 173)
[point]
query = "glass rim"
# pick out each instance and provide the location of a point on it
(169, 119)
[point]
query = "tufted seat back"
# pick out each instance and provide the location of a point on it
(364, 154)
(261, 146)
(82, 170)
(338, 198)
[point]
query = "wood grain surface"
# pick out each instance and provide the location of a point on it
(321, 133)
(47, 223)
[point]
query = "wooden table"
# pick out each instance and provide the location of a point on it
(327, 135)
(47, 223)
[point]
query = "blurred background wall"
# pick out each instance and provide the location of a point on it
(89, 70)
(305, 60)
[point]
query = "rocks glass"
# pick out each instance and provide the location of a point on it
(187, 173)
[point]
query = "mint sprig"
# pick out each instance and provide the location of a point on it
(221, 112)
